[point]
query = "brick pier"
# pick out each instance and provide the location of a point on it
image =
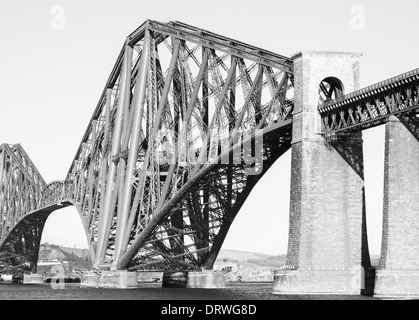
(398, 271)
(327, 247)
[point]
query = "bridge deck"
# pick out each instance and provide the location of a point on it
(372, 106)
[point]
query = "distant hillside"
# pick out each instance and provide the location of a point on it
(241, 255)
(251, 258)
(78, 257)
(263, 260)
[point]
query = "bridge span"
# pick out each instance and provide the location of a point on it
(188, 123)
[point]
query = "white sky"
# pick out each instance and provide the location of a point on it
(51, 80)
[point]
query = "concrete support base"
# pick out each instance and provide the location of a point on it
(90, 280)
(120, 279)
(337, 282)
(33, 279)
(206, 279)
(399, 284)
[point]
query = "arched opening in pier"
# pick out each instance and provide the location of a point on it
(330, 88)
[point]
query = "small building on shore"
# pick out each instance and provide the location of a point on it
(8, 278)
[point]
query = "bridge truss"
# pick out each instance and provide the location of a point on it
(373, 105)
(20, 189)
(186, 125)
(154, 177)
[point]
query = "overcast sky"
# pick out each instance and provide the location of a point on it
(56, 56)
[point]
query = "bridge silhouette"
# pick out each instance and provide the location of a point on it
(188, 123)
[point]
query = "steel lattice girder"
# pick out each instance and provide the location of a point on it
(20, 187)
(20, 191)
(205, 232)
(372, 106)
(23, 240)
(158, 133)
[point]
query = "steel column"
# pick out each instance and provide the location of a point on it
(106, 211)
(137, 114)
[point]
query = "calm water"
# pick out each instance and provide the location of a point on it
(239, 291)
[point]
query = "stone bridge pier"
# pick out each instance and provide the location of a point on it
(398, 270)
(327, 247)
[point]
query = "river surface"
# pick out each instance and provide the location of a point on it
(233, 291)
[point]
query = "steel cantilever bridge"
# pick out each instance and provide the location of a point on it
(187, 124)
(152, 180)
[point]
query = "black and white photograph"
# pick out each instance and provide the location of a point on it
(212, 158)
